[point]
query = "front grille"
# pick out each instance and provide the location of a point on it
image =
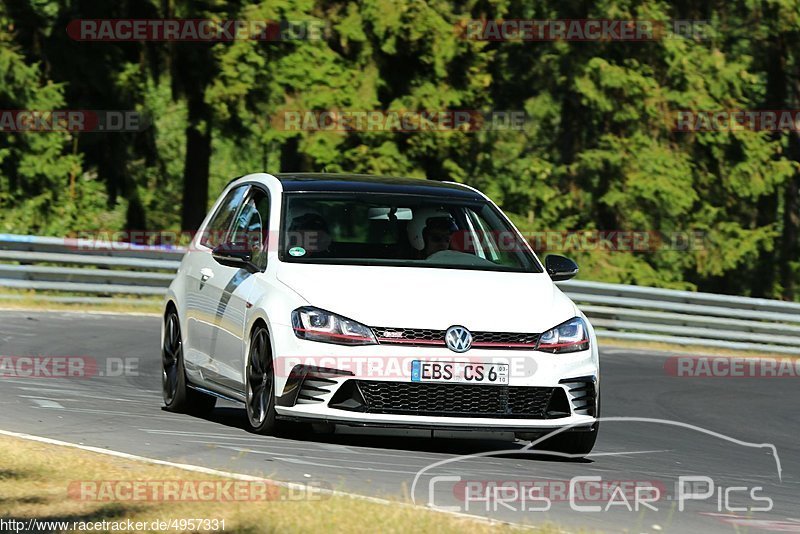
(483, 340)
(404, 335)
(454, 400)
(504, 338)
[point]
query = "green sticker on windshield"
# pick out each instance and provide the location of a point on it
(297, 251)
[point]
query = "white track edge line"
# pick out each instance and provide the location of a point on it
(249, 478)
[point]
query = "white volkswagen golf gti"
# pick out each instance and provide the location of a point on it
(361, 301)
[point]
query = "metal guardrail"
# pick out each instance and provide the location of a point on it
(108, 271)
(639, 313)
(93, 267)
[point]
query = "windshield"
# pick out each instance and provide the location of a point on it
(400, 230)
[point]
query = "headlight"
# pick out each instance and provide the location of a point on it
(570, 336)
(315, 324)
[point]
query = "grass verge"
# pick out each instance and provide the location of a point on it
(42, 301)
(38, 480)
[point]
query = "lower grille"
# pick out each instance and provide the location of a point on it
(308, 385)
(582, 394)
(450, 400)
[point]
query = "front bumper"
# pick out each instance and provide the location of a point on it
(370, 386)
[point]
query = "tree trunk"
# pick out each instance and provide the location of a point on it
(290, 160)
(764, 274)
(197, 164)
(763, 280)
(790, 239)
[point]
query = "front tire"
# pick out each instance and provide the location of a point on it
(260, 384)
(178, 397)
(576, 444)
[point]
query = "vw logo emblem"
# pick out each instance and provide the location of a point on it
(458, 339)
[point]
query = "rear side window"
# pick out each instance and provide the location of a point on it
(217, 230)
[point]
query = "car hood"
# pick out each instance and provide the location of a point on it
(413, 297)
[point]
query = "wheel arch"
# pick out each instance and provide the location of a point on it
(258, 319)
(169, 306)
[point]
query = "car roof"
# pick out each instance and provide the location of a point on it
(363, 183)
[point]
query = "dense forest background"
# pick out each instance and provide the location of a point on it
(599, 151)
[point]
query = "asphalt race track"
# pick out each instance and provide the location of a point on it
(123, 412)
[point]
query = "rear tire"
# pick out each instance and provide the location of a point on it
(260, 384)
(178, 396)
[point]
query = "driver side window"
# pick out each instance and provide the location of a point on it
(251, 226)
(216, 231)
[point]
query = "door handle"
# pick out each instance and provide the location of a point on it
(205, 274)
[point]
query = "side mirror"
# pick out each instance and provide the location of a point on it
(560, 268)
(236, 255)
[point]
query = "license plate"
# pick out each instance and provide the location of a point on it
(459, 372)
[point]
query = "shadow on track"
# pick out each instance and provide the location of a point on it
(303, 432)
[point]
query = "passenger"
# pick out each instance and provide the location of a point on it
(430, 231)
(438, 233)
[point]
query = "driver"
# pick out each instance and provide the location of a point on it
(309, 231)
